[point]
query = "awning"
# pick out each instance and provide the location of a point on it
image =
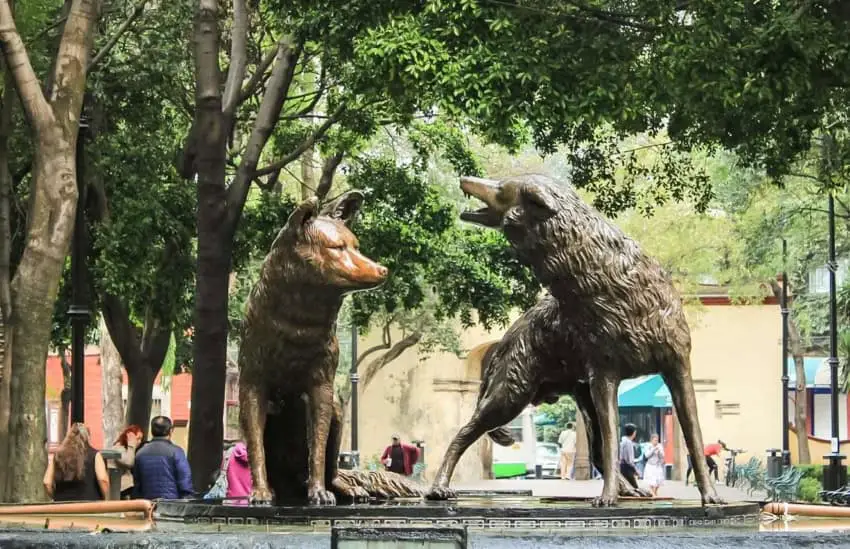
(544, 419)
(644, 392)
(817, 372)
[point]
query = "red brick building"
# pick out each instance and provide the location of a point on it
(170, 398)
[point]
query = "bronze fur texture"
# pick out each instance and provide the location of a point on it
(613, 313)
(289, 355)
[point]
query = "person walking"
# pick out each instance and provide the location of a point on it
(567, 442)
(627, 454)
(709, 451)
(77, 471)
(239, 481)
(161, 470)
(653, 472)
(127, 443)
(399, 457)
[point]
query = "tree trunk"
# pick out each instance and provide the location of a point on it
(582, 459)
(5, 267)
(800, 396)
(308, 173)
(111, 398)
(140, 378)
(5, 384)
(214, 254)
(51, 220)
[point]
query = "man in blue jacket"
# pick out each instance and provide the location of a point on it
(161, 470)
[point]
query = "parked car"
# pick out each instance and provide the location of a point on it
(548, 457)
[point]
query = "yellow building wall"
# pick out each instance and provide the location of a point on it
(736, 358)
(426, 400)
(735, 362)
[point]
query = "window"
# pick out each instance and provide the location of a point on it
(231, 423)
(53, 423)
(231, 390)
(515, 427)
(156, 407)
(819, 278)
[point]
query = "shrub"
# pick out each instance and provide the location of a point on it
(808, 490)
(811, 471)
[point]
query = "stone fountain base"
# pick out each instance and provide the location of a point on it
(502, 512)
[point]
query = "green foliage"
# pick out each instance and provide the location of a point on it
(809, 490)
(563, 411)
(811, 471)
(549, 433)
(408, 227)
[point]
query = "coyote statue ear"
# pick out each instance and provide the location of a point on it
(303, 214)
(344, 207)
(537, 202)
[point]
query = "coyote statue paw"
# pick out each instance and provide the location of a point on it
(261, 495)
(712, 498)
(347, 489)
(317, 495)
(607, 499)
(627, 489)
(440, 493)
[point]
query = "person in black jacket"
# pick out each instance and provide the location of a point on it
(161, 470)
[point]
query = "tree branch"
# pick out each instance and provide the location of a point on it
(122, 29)
(47, 29)
(35, 105)
(314, 101)
(259, 75)
(306, 144)
(805, 176)
(328, 172)
(238, 61)
(155, 340)
(124, 335)
(69, 79)
(396, 351)
(267, 118)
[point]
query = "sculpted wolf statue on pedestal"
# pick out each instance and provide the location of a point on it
(612, 313)
(288, 358)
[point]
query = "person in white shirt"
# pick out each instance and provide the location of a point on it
(653, 473)
(567, 441)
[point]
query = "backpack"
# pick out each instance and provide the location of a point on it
(219, 489)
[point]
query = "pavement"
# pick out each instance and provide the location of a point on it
(592, 488)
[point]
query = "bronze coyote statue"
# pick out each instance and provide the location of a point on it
(612, 313)
(289, 355)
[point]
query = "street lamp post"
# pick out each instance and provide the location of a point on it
(78, 311)
(835, 475)
(783, 302)
(355, 378)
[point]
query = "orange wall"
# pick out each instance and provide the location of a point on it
(180, 393)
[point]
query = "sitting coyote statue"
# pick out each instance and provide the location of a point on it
(289, 355)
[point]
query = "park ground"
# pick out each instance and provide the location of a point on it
(592, 488)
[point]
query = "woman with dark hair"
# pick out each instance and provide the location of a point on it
(77, 471)
(127, 443)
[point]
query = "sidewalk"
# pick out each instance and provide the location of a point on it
(592, 488)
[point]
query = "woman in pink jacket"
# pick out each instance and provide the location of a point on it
(239, 483)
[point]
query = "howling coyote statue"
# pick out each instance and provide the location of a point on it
(612, 314)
